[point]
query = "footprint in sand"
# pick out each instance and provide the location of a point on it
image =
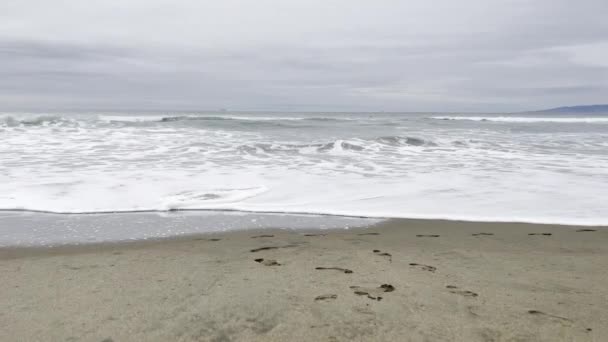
(203, 239)
(371, 292)
(427, 235)
(262, 236)
(424, 267)
(363, 234)
(326, 297)
(486, 234)
(345, 270)
(540, 313)
(384, 254)
(267, 262)
(263, 249)
(271, 247)
(315, 234)
(585, 230)
(545, 234)
(466, 293)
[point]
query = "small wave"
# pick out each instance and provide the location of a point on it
(266, 120)
(251, 118)
(128, 118)
(235, 118)
(328, 119)
(42, 120)
(156, 118)
(192, 118)
(338, 145)
(519, 119)
(356, 145)
(402, 141)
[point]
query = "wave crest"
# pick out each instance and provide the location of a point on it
(354, 145)
(403, 141)
(522, 119)
(338, 145)
(42, 120)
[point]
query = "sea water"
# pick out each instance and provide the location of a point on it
(497, 167)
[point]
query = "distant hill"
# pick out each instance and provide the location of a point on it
(601, 108)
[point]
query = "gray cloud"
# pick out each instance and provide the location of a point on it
(502, 55)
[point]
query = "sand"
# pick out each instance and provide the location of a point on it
(401, 280)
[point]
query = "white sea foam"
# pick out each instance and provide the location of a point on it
(152, 118)
(524, 119)
(129, 118)
(194, 117)
(414, 169)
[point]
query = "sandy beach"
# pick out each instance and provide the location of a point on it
(400, 280)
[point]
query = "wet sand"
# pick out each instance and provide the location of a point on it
(401, 280)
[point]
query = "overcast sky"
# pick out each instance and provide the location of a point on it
(303, 55)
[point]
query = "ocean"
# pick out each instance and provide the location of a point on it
(538, 168)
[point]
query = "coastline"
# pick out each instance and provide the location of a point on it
(504, 284)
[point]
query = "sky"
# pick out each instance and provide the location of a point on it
(302, 55)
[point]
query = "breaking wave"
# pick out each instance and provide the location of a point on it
(523, 119)
(384, 165)
(42, 120)
(353, 145)
(402, 141)
(248, 118)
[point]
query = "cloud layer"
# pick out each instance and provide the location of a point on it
(501, 55)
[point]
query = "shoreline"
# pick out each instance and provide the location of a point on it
(244, 221)
(448, 280)
(300, 213)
